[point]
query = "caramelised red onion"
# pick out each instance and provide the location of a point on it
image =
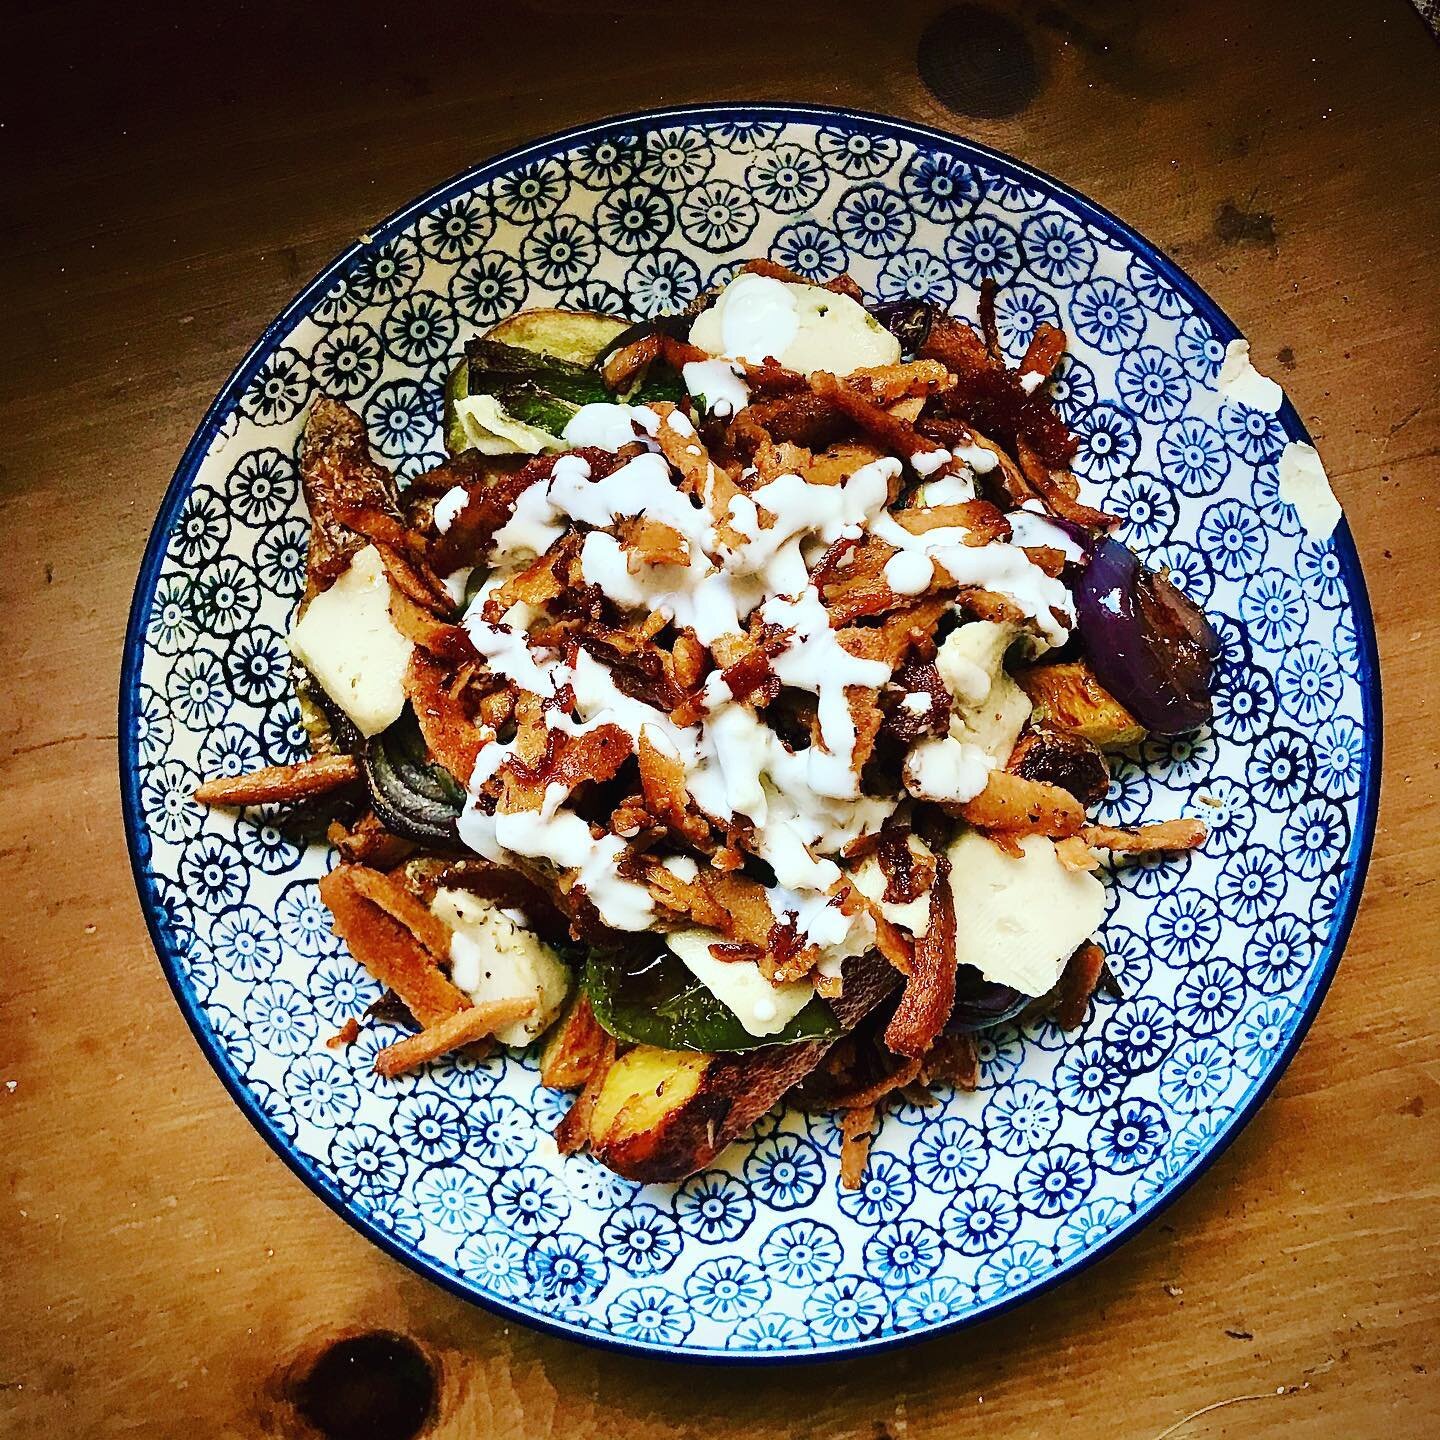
(909, 321)
(981, 1003)
(1149, 645)
(1082, 535)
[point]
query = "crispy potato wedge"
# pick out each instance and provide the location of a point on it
(662, 1115)
(1068, 697)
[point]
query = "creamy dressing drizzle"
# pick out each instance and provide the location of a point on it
(805, 806)
(718, 384)
(449, 505)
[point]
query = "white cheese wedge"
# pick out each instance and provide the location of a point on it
(493, 958)
(804, 327)
(492, 430)
(762, 1008)
(1304, 484)
(1018, 920)
(990, 709)
(348, 642)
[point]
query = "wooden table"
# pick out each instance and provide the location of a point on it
(169, 183)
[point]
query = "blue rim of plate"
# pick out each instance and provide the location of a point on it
(1356, 862)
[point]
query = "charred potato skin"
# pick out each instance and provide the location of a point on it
(701, 1105)
(1062, 758)
(656, 1114)
(664, 1114)
(1067, 697)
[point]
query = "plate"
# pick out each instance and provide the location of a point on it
(1075, 1141)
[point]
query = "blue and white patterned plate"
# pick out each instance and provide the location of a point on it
(1075, 1141)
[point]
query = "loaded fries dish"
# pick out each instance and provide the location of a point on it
(726, 709)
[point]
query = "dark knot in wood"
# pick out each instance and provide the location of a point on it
(977, 61)
(379, 1386)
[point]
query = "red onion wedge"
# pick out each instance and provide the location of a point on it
(1150, 646)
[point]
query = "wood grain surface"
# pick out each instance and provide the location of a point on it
(171, 175)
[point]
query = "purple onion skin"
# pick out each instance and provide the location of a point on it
(1082, 535)
(1148, 645)
(982, 1003)
(909, 321)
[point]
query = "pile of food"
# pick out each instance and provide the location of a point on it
(728, 705)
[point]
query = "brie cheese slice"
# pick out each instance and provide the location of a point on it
(990, 709)
(348, 642)
(1018, 920)
(493, 958)
(805, 327)
(762, 1008)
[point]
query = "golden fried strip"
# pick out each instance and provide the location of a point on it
(897, 436)
(368, 842)
(681, 445)
(389, 950)
(282, 782)
(652, 542)
(1057, 489)
(835, 465)
(573, 1130)
(775, 458)
(626, 364)
(450, 733)
(893, 639)
(1024, 807)
(416, 623)
(1075, 854)
(662, 778)
(929, 994)
(544, 579)
(1145, 839)
(416, 579)
(904, 1074)
(981, 521)
(952, 1060)
(1043, 353)
(987, 605)
(885, 384)
(345, 1036)
(400, 904)
(575, 1048)
(462, 1028)
(858, 1129)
